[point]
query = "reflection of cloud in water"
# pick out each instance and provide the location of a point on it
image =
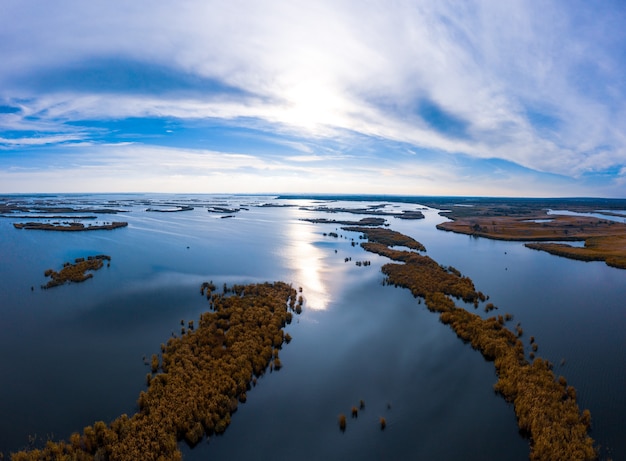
(307, 261)
(162, 279)
(167, 279)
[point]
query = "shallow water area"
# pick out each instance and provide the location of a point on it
(74, 354)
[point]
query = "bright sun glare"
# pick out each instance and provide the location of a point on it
(309, 266)
(312, 104)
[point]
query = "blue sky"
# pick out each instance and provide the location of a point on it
(503, 98)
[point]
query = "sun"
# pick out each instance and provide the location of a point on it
(312, 104)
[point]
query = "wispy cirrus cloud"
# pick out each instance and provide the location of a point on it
(37, 141)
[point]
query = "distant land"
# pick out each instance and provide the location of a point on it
(526, 220)
(442, 201)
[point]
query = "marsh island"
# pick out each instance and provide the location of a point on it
(530, 221)
(69, 226)
(196, 383)
(76, 272)
(545, 407)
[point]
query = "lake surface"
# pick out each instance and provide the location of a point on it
(600, 215)
(73, 355)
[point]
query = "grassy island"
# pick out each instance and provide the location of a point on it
(222, 209)
(545, 406)
(49, 205)
(374, 210)
(387, 237)
(170, 210)
(68, 226)
(604, 240)
(197, 383)
(76, 272)
(610, 249)
(46, 209)
(360, 222)
(34, 216)
(528, 221)
(538, 227)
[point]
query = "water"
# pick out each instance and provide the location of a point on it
(599, 215)
(74, 354)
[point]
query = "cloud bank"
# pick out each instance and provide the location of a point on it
(474, 98)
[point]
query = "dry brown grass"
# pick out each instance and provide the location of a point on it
(524, 228)
(610, 249)
(204, 374)
(604, 240)
(76, 272)
(387, 237)
(546, 409)
(68, 227)
(342, 422)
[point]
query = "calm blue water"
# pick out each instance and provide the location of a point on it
(599, 215)
(74, 354)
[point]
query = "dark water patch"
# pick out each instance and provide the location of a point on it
(342, 358)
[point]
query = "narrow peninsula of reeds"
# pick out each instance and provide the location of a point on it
(545, 406)
(197, 383)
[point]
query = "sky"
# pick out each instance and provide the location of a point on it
(473, 98)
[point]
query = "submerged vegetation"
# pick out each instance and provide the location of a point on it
(342, 422)
(545, 407)
(197, 383)
(76, 272)
(354, 412)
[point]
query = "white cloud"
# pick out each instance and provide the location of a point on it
(138, 168)
(321, 69)
(36, 141)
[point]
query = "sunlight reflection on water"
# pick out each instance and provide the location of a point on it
(308, 264)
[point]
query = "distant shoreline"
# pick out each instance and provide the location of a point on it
(443, 201)
(72, 227)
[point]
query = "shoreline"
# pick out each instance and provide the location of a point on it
(604, 240)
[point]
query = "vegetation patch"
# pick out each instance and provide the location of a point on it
(196, 385)
(221, 209)
(605, 240)
(610, 249)
(35, 216)
(374, 210)
(545, 407)
(76, 272)
(388, 237)
(360, 222)
(170, 210)
(69, 226)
